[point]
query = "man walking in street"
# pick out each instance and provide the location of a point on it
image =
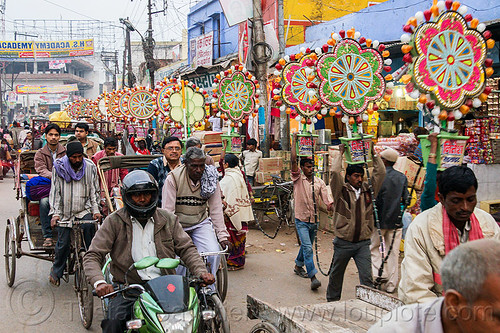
(391, 196)
(353, 221)
(159, 168)
(44, 161)
(74, 195)
(198, 204)
(250, 159)
(438, 230)
(150, 139)
(305, 222)
(90, 147)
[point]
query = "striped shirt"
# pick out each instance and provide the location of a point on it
(76, 198)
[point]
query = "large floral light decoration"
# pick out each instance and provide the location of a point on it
(140, 103)
(300, 86)
(351, 77)
(236, 95)
(186, 104)
(446, 53)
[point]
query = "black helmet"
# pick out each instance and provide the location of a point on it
(139, 181)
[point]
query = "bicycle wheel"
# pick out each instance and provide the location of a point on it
(83, 293)
(10, 255)
(264, 327)
(220, 323)
(222, 278)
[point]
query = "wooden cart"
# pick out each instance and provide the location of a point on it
(355, 315)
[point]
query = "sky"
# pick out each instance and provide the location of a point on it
(166, 27)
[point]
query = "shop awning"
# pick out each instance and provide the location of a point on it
(384, 22)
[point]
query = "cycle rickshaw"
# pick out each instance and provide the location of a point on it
(26, 229)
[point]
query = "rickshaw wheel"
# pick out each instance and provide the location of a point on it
(10, 255)
(264, 327)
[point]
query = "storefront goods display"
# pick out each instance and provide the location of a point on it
(481, 148)
(404, 144)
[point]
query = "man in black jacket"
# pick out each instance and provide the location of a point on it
(392, 195)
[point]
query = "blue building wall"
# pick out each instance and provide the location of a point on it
(385, 21)
(208, 16)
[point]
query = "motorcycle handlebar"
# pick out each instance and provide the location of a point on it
(132, 286)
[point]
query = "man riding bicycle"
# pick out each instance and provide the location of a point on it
(197, 201)
(74, 194)
(138, 230)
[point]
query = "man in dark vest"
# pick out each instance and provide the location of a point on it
(197, 202)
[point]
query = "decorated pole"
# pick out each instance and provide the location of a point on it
(184, 110)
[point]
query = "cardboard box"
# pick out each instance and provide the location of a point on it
(271, 164)
(284, 154)
(264, 177)
(409, 168)
(208, 137)
(490, 206)
(385, 128)
(213, 149)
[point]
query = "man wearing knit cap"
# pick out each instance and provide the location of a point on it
(392, 195)
(74, 195)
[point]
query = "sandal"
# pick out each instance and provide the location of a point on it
(54, 281)
(234, 268)
(49, 242)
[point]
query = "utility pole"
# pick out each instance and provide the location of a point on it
(148, 46)
(1, 96)
(124, 63)
(261, 69)
(284, 118)
(130, 74)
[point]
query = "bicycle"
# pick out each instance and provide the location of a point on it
(213, 300)
(274, 201)
(75, 266)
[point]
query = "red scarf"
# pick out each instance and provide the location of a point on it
(451, 239)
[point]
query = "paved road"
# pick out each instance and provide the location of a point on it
(33, 305)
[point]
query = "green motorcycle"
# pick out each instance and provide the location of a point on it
(171, 303)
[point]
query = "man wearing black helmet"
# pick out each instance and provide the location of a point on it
(138, 230)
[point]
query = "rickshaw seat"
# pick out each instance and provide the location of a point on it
(34, 208)
(27, 176)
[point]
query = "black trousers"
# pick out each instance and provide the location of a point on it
(119, 312)
(64, 243)
(343, 251)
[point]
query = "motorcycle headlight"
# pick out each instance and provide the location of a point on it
(177, 322)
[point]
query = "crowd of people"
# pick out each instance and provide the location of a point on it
(181, 206)
(178, 207)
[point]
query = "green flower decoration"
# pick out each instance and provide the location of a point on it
(195, 106)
